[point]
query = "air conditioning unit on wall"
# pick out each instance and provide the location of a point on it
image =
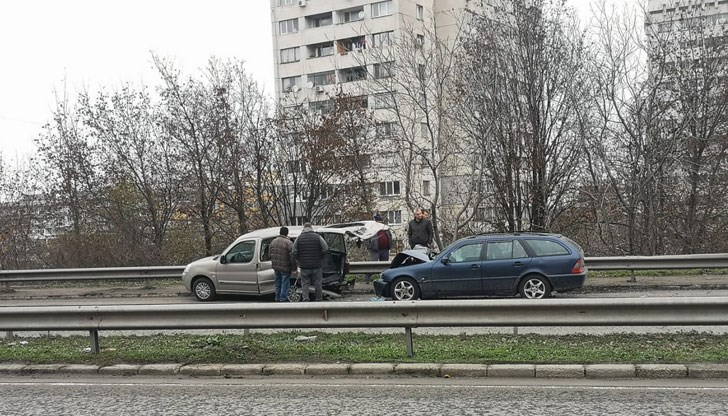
(302, 3)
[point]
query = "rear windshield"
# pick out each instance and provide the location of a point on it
(335, 241)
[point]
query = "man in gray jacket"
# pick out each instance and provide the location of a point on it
(309, 251)
(283, 262)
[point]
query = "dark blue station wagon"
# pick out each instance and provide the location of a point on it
(533, 265)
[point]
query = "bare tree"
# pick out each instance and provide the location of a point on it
(322, 160)
(243, 110)
(413, 87)
(192, 118)
(521, 77)
(142, 182)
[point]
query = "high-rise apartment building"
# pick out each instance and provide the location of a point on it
(322, 47)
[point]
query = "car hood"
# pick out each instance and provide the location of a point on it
(409, 257)
(203, 263)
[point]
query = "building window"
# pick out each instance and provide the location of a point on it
(420, 41)
(353, 15)
(322, 78)
(382, 8)
(383, 39)
(420, 12)
(288, 26)
(287, 2)
(389, 188)
(290, 82)
(394, 217)
(319, 20)
(426, 188)
(321, 49)
(355, 44)
(484, 214)
(323, 107)
(384, 70)
(383, 100)
(353, 74)
(385, 129)
(289, 55)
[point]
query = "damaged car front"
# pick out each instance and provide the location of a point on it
(409, 274)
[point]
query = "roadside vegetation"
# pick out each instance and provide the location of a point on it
(684, 347)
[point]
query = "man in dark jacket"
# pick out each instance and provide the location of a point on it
(420, 230)
(309, 251)
(283, 262)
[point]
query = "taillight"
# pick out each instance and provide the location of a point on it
(578, 267)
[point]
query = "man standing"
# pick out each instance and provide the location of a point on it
(309, 251)
(420, 230)
(379, 245)
(283, 262)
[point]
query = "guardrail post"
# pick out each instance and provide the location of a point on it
(632, 277)
(94, 334)
(8, 335)
(408, 336)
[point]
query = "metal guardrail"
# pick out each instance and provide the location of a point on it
(692, 261)
(682, 311)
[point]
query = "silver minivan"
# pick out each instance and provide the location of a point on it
(244, 267)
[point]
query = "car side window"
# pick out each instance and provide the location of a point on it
(265, 249)
(545, 248)
(466, 254)
(519, 251)
(499, 250)
(241, 253)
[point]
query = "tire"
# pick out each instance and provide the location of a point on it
(294, 292)
(204, 290)
(534, 287)
(404, 288)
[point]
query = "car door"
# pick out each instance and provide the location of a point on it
(458, 273)
(266, 274)
(237, 270)
(505, 261)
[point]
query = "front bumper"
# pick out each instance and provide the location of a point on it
(381, 288)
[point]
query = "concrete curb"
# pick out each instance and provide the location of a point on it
(562, 371)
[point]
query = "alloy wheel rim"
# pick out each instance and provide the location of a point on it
(202, 290)
(404, 290)
(534, 289)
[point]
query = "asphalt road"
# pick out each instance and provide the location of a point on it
(376, 396)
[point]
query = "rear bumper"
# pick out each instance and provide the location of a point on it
(566, 283)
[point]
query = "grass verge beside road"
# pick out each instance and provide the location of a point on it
(685, 347)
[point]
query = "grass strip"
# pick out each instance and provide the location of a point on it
(683, 347)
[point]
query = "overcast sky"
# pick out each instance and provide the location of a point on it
(91, 43)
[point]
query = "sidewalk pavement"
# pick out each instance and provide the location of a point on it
(545, 371)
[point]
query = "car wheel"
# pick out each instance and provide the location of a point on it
(534, 287)
(203, 289)
(294, 293)
(405, 288)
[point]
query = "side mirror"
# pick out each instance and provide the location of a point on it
(223, 259)
(445, 261)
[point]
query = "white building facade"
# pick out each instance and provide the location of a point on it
(322, 47)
